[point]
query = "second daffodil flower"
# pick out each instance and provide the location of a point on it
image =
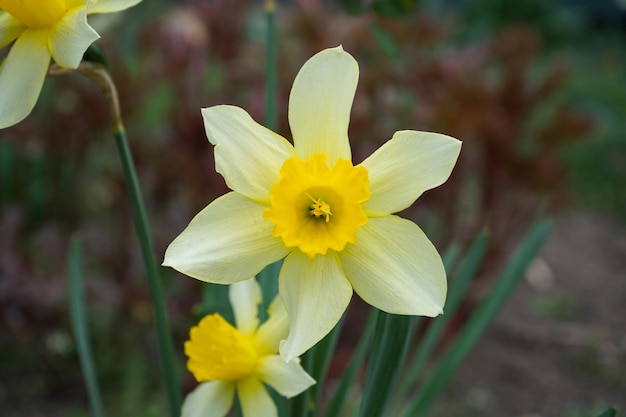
(42, 29)
(225, 359)
(307, 203)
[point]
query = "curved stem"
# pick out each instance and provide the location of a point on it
(101, 77)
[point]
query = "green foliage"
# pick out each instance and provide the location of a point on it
(478, 322)
(386, 8)
(389, 348)
(78, 314)
(609, 412)
(464, 275)
(96, 54)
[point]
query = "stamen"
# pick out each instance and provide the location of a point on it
(320, 208)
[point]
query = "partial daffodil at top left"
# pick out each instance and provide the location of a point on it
(42, 29)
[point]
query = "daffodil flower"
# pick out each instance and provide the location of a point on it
(42, 29)
(224, 359)
(307, 203)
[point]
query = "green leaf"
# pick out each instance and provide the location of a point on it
(300, 403)
(268, 280)
(449, 257)
(352, 6)
(393, 8)
(271, 75)
(142, 228)
(464, 275)
(78, 316)
(7, 172)
(391, 343)
(215, 300)
(349, 375)
(322, 354)
(609, 412)
(96, 54)
(386, 42)
(470, 333)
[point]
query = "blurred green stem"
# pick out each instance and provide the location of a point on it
(271, 76)
(101, 77)
(78, 316)
(166, 348)
(268, 277)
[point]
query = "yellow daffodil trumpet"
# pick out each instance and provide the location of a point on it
(225, 359)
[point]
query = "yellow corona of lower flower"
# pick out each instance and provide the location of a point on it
(332, 221)
(42, 29)
(225, 359)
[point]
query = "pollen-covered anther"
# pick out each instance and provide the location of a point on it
(320, 208)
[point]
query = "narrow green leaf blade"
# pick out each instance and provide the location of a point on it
(322, 354)
(391, 343)
(300, 403)
(459, 284)
(271, 75)
(352, 371)
(78, 317)
(469, 335)
(609, 412)
(142, 227)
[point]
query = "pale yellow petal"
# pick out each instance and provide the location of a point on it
(320, 103)
(70, 38)
(22, 75)
(245, 297)
(255, 400)
(226, 242)
(209, 399)
(316, 293)
(110, 6)
(394, 267)
(275, 328)
(248, 155)
(10, 28)
(288, 378)
(406, 166)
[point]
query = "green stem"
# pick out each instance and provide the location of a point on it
(268, 277)
(99, 74)
(271, 76)
(168, 361)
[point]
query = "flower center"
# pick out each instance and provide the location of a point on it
(316, 208)
(36, 14)
(218, 351)
(320, 208)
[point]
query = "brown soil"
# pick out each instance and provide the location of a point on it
(558, 348)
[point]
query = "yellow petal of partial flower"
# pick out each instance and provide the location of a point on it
(10, 28)
(320, 103)
(22, 75)
(316, 293)
(248, 155)
(395, 268)
(110, 6)
(255, 400)
(288, 378)
(406, 166)
(275, 328)
(209, 399)
(226, 242)
(245, 297)
(70, 38)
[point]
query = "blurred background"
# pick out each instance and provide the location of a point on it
(536, 90)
